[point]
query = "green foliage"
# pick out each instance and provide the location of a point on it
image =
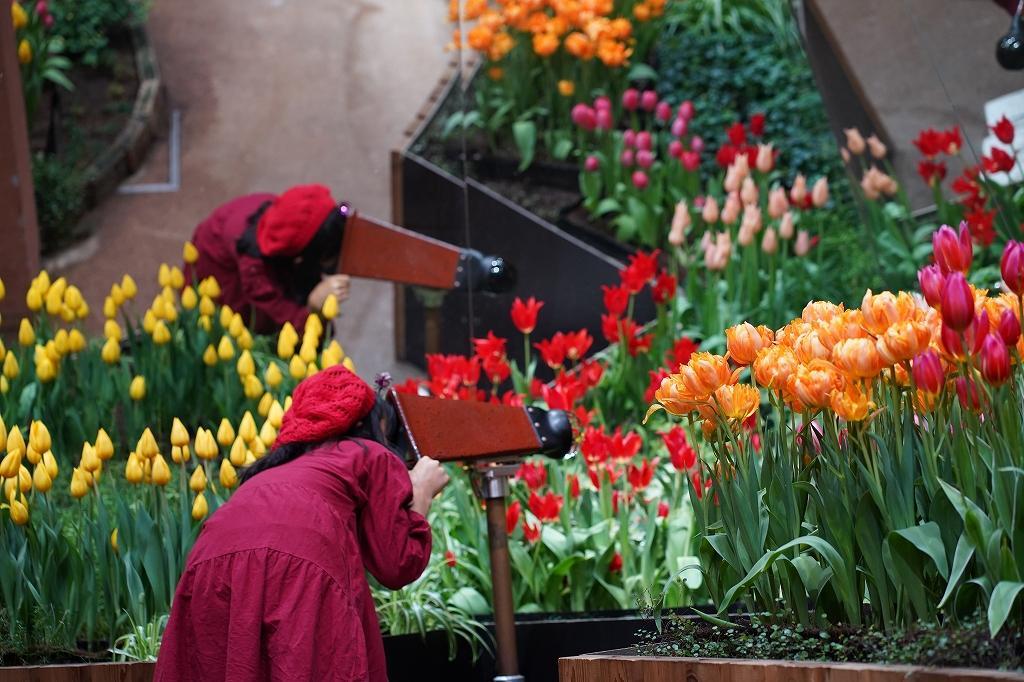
(142, 643)
(86, 25)
(772, 18)
(60, 197)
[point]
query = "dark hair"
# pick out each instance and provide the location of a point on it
(367, 429)
(299, 275)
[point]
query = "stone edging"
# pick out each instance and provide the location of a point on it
(126, 154)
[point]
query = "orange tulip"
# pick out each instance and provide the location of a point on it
(744, 341)
(886, 309)
(774, 365)
(545, 44)
(812, 384)
(851, 405)
(737, 401)
(813, 345)
(904, 340)
(706, 372)
(580, 46)
(675, 397)
(858, 358)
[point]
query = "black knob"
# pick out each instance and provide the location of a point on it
(1010, 48)
(501, 276)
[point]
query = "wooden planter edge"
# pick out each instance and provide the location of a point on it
(80, 672)
(625, 666)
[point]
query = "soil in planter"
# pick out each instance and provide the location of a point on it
(71, 129)
(964, 645)
(49, 656)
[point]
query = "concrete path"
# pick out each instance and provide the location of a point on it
(274, 93)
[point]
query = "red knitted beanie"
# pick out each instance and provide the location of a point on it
(326, 405)
(292, 220)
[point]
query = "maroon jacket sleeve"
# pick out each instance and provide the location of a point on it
(266, 296)
(393, 539)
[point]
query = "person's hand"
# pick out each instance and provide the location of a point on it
(428, 479)
(330, 284)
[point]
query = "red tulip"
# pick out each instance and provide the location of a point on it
(931, 280)
(524, 314)
(664, 289)
(641, 476)
(681, 352)
(584, 117)
(531, 533)
(546, 508)
(967, 392)
(624, 448)
(491, 347)
(995, 360)
(512, 512)
(591, 371)
(552, 351)
(1003, 130)
(929, 375)
(535, 474)
(1009, 328)
(998, 161)
(953, 252)
(577, 344)
(649, 100)
(951, 141)
(616, 299)
(573, 483)
(449, 558)
(691, 160)
(957, 302)
(663, 112)
(932, 172)
(615, 565)
(1011, 265)
(663, 510)
(737, 134)
(757, 124)
(641, 270)
(631, 99)
(595, 445)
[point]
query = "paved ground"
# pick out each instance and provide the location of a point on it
(274, 93)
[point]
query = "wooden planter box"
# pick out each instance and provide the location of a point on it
(623, 666)
(82, 672)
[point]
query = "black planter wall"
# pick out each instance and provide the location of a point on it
(553, 265)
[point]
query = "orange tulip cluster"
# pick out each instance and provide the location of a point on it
(830, 359)
(585, 28)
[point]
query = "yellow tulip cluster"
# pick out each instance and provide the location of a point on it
(59, 300)
(17, 480)
(303, 363)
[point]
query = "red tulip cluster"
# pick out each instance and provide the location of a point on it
(740, 144)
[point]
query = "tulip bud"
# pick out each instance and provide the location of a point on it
(273, 375)
(749, 192)
(931, 280)
(876, 147)
(24, 480)
(770, 241)
(228, 477)
(953, 252)
(46, 371)
(34, 300)
(246, 366)
(225, 350)
(680, 224)
(113, 541)
(89, 462)
(268, 434)
(798, 192)
(111, 352)
(252, 387)
(109, 308)
(752, 218)
(189, 299)
(39, 437)
(41, 478)
(199, 508)
(206, 445)
(263, 409)
(311, 369)
(1009, 328)
(210, 356)
(330, 307)
(3, 434)
(777, 203)
(19, 510)
(765, 158)
(189, 253)
(11, 368)
(197, 482)
(161, 474)
(133, 469)
(631, 99)
(128, 287)
(819, 193)
(50, 462)
(147, 447)
(275, 415)
(26, 334)
(247, 428)
(137, 389)
(710, 211)
(76, 341)
(1011, 265)
(79, 484)
(745, 236)
(237, 454)
(957, 303)
(179, 434)
(803, 243)
(854, 141)
(15, 446)
(177, 455)
(731, 211)
(995, 360)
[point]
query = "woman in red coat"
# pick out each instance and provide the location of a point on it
(275, 588)
(274, 257)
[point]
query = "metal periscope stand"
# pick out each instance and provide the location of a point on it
(489, 440)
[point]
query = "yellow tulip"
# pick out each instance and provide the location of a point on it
(330, 307)
(226, 315)
(297, 368)
(246, 366)
(204, 323)
(314, 328)
(225, 351)
(225, 433)
(199, 508)
(60, 342)
(26, 334)
(18, 17)
(113, 541)
(237, 455)
(206, 306)
(39, 437)
(177, 278)
(5, 386)
(67, 314)
(263, 409)
(34, 300)
(42, 281)
(104, 447)
(111, 352)
(45, 371)
(252, 387)
(150, 319)
(268, 434)
(79, 484)
(19, 510)
(163, 276)
(197, 482)
(245, 340)
(73, 297)
(137, 389)
(10, 488)
(24, 480)
(147, 447)
(179, 434)
(311, 369)
(161, 334)
(209, 287)
(51, 352)
(109, 308)
(287, 404)
(177, 456)
(189, 300)
(112, 330)
(189, 253)
(76, 341)
(228, 477)
(83, 311)
(11, 369)
(24, 51)
(210, 356)
(32, 456)
(50, 462)
(133, 469)
(258, 448)
(117, 295)
(41, 478)
(206, 446)
(15, 443)
(10, 464)
(236, 325)
(161, 474)
(54, 301)
(275, 414)
(288, 337)
(247, 428)
(128, 287)
(308, 352)
(249, 457)
(273, 375)
(3, 290)
(3, 434)
(90, 462)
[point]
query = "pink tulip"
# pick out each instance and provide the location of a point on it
(643, 140)
(803, 243)
(1011, 265)
(731, 211)
(603, 102)
(675, 149)
(697, 143)
(967, 392)
(630, 99)
(1009, 328)
(931, 280)
(953, 252)
(640, 180)
(710, 211)
(48, 21)
(629, 138)
(681, 222)
(679, 127)
(777, 204)
(686, 110)
(749, 192)
(819, 193)
(644, 158)
(604, 119)
(649, 100)
(626, 159)
(691, 161)
(770, 241)
(41, 8)
(592, 164)
(798, 192)
(995, 360)
(786, 226)
(663, 112)
(584, 117)
(765, 158)
(928, 373)
(957, 302)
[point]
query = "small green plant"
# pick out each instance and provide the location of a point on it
(86, 26)
(142, 642)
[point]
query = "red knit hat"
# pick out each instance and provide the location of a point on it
(326, 405)
(292, 220)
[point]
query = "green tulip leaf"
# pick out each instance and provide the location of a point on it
(1001, 603)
